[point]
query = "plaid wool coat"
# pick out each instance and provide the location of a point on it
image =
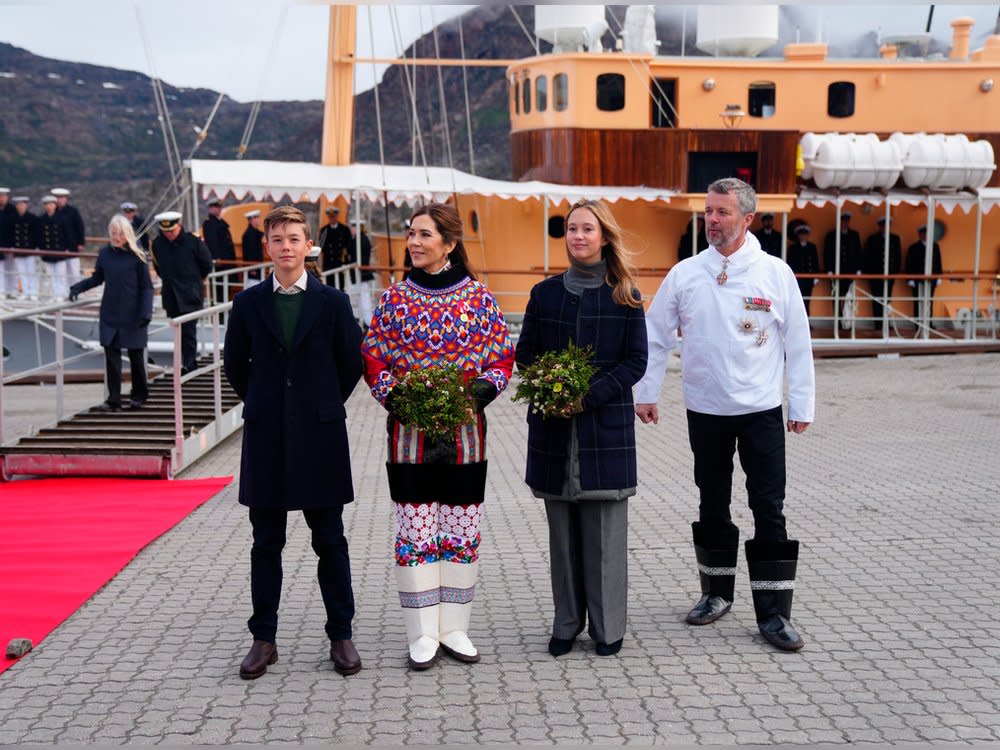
(606, 428)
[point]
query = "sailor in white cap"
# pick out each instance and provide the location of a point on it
(182, 262)
(253, 245)
(334, 245)
(850, 257)
(803, 257)
(24, 236)
(745, 329)
(7, 216)
(916, 264)
(217, 235)
(53, 235)
(874, 262)
(76, 232)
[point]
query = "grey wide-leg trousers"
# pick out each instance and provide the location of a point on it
(588, 548)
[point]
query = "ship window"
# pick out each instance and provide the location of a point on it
(474, 221)
(526, 95)
(517, 97)
(541, 93)
(610, 92)
(663, 97)
(560, 92)
(840, 99)
(761, 99)
(557, 227)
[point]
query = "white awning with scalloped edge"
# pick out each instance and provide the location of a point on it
(305, 182)
(948, 201)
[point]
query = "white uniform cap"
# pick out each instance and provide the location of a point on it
(168, 219)
(4, 191)
(49, 199)
(129, 206)
(21, 199)
(60, 192)
(252, 214)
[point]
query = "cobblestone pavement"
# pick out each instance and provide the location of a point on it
(893, 494)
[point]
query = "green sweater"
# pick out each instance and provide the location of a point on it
(288, 307)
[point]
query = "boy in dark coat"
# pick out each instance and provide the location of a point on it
(293, 355)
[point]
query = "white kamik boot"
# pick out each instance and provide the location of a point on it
(458, 588)
(419, 595)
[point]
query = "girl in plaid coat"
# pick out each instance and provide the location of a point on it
(584, 466)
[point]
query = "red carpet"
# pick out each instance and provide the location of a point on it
(62, 539)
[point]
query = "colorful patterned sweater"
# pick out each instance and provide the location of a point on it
(459, 323)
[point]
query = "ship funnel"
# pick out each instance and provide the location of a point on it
(737, 30)
(571, 27)
(961, 32)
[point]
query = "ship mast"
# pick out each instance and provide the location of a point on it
(338, 107)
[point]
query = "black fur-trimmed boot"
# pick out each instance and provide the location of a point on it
(772, 581)
(716, 549)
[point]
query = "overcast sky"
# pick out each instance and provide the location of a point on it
(275, 49)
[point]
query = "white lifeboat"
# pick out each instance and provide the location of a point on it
(851, 161)
(571, 27)
(944, 162)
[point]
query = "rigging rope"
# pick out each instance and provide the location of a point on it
(397, 40)
(444, 105)
(533, 40)
(255, 107)
(663, 98)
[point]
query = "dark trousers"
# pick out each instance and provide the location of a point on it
(806, 288)
(760, 439)
(923, 298)
(113, 368)
(880, 287)
(189, 345)
(334, 572)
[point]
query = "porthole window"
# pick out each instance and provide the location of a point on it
(557, 227)
(610, 92)
(541, 93)
(526, 95)
(760, 99)
(840, 99)
(517, 97)
(560, 92)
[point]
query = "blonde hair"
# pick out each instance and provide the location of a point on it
(620, 273)
(125, 227)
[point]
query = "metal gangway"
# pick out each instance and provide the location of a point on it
(184, 418)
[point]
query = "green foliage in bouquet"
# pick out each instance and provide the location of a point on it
(434, 400)
(556, 382)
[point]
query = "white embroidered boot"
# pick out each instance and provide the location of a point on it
(458, 588)
(419, 595)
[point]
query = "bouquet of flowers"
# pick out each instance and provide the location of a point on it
(556, 382)
(434, 400)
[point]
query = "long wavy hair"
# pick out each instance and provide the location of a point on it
(620, 273)
(125, 227)
(449, 225)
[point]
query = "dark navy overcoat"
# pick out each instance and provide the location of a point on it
(606, 428)
(295, 452)
(127, 302)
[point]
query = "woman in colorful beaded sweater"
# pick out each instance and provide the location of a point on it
(584, 466)
(439, 316)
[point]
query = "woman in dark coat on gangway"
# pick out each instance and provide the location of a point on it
(126, 309)
(584, 465)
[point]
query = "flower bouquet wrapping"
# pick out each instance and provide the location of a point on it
(555, 383)
(435, 400)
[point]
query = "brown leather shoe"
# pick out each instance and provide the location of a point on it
(262, 654)
(345, 658)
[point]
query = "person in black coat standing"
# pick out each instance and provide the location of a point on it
(583, 465)
(684, 246)
(215, 232)
(24, 231)
(923, 289)
(74, 229)
(53, 234)
(335, 244)
(293, 355)
(850, 255)
(253, 244)
(769, 238)
(182, 262)
(803, 257)
(874, 262)
(126, 309)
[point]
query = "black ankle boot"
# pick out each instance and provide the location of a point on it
(716, 548)
(772, 581)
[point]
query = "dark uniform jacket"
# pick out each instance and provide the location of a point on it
(606, 429)
(803, 258)
(253, 248)
(52, 236)
(874, 256)
(769, 243)
(127, 302)
(218, 238)
(182, 265)
(366, 255)
(850, 252)
(684, 246)
(336, 246)
(7, 216)
(295, 450)
(916, 257)
(143, 239)
(24, 231)
(73, 227)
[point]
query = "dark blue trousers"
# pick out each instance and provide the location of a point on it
(760, 439)
(334, 572)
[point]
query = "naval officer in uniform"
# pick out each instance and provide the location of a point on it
(744, 326)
